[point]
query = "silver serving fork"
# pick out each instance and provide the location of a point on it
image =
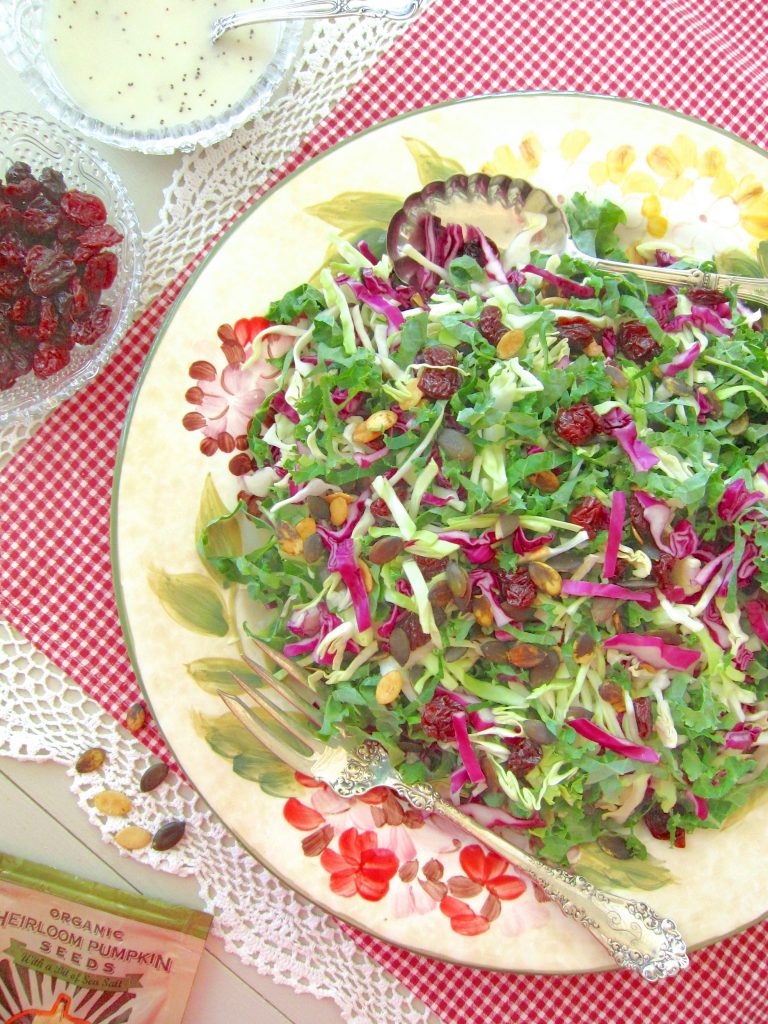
(634, 934)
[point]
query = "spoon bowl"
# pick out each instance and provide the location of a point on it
(518, 217)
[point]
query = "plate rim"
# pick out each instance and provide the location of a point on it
(239, 219)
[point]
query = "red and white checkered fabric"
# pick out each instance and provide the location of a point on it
(705, 59)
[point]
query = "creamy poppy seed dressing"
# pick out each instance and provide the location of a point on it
(146, 65)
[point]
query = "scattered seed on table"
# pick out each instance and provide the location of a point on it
(90, 760)
(153, 776)
(168, 835)
(135, 717)
(112, 803)
(132, 837)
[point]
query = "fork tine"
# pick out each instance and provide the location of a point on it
(288, 691)
(293, 670)
(265, 735)
(285, 720)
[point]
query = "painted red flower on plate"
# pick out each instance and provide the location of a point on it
(360, 866)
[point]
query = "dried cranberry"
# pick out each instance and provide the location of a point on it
(68, 232)
(380, 508)
(662, 569)
(90, 329)
(81, 301)
(100, 271)
(436, 716)
(19, 354)
(637, 518)
(48, 322)
(52, 183)
(11, 282)
(591, 515)
(24, 310)
(578, 424)
(643, 716)
(439, 384)
(51, 273)
(22, 192)
(524, 755)
(83, 209)
(578, 332)
(49, 359)
(103, 236)
(416, 635)
(37, 256)
(441, 355)
(430, 566)
(12, 251)
(706, 297)
(657, 823)
(517, 588)
(17, 172)
(37, 221)
(490, 326)
(634, 341)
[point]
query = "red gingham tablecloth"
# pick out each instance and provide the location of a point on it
(701, 57)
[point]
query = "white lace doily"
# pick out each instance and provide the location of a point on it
(47, 717)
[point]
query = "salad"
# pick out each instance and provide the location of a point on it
(513, 520)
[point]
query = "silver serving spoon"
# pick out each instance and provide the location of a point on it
(505, 208)
(299, 10)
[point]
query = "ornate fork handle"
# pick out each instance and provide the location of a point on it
(633, 933)
(753, 289)
(298, 10)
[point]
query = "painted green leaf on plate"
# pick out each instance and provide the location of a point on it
(227, 737)
(430, 165)
(192, 600)
(736, 262)
(219, 525)
(601, 869)
(214, 674)
(351, 213)
(274, 777)
(762, 258)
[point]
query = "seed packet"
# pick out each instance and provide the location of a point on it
(76, 952)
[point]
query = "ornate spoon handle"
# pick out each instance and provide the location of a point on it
(753, 289)
(631, 931)
(299, 10)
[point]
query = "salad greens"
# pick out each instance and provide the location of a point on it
(514, 523)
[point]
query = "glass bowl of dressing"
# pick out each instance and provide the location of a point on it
(144, 75)
(40, 144)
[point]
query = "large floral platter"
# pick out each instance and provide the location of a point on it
(412, 880)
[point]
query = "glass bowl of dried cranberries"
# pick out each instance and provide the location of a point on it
(71, 261)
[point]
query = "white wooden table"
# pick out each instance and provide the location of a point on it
(40, 819)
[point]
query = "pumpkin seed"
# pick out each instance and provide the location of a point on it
(602, 608)
(313, 548)
(545, 578)
(91, 760)
(545, 481)
(169, 835)
(385, 550)
(481, 609)
(615, 846)
(133, 838)
(456, 445)
(495, 651)
(510, 343)
(538, 732)
(739, 425)
(399, 645)
(546, 670)
(153, 776)
(380, 421)
(389, 687)
(338, 510)
(454, 654)
(583, 647)
(112, 803)
(612, 693)
(526, 655)
(306, 527)
(135, 717)
(440, 595)
(456, 578)
(316, 507)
